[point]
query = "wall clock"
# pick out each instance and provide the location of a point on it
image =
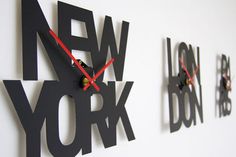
(185, 86)
(225, 104)
(77, 80)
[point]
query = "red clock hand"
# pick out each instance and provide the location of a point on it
(195, 72)
(185, 69)
(73, 58)
(100, 72)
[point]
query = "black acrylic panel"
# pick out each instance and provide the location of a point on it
(180, 87)
(225, 104)
(33, 23)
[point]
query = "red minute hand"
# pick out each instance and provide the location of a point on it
(73, 58)
(100, 72)
(185, 69)
(195, 72)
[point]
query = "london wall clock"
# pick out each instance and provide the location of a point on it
(185, 86)
(225, 104)
(76, 80)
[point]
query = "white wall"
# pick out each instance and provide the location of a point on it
(209, 24)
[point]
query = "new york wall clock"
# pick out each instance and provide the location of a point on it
(185, 86)
(77, 80)
(225, 104)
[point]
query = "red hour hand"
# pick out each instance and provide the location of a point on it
(185, 69)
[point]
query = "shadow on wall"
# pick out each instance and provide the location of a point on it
(217, 87)
(18, 37)
(164, 89)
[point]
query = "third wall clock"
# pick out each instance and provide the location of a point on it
(225, 104)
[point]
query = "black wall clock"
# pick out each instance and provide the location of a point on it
(76, 80)
(185, 86)
(225, 104)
